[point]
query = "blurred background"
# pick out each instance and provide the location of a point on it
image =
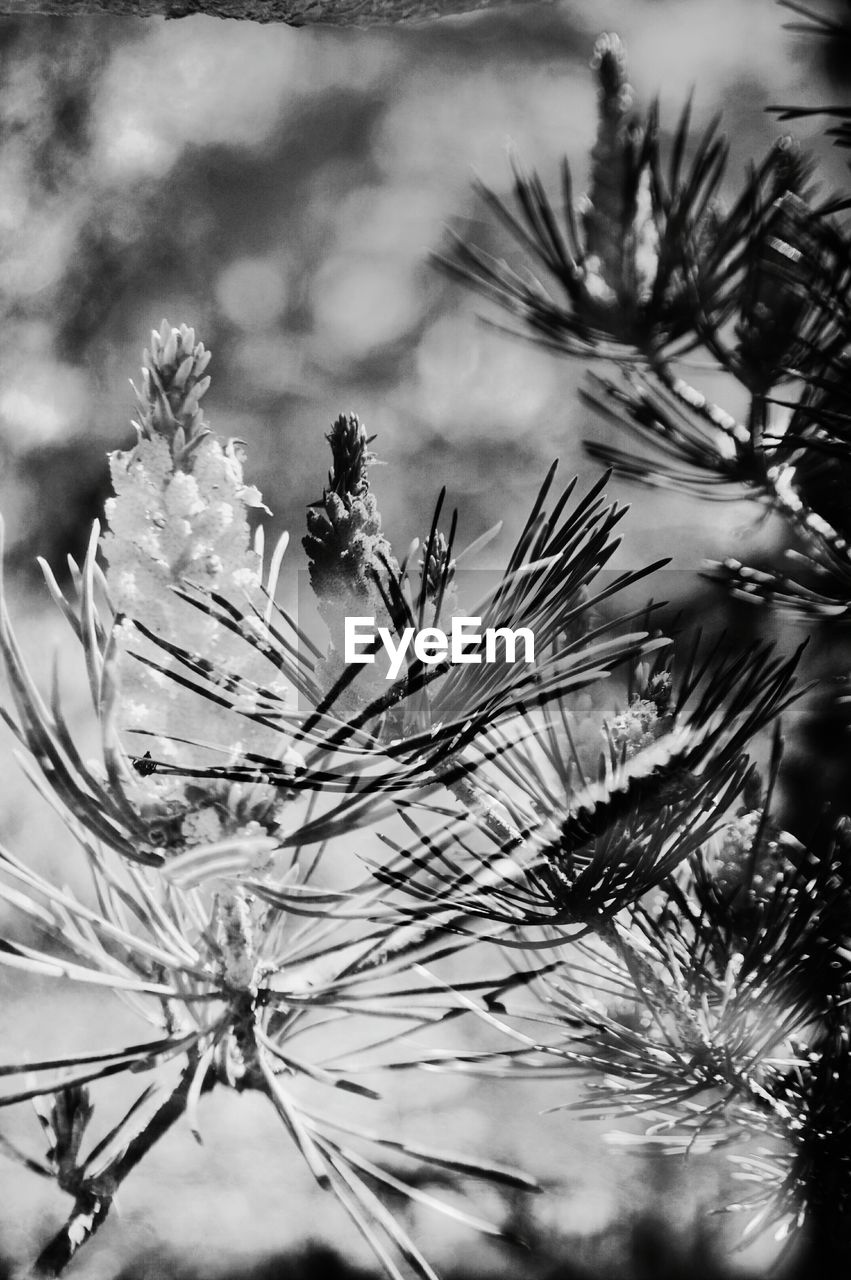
(281, 191)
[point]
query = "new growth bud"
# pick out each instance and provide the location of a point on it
(349, 556)
(173, 384)
(179, 519)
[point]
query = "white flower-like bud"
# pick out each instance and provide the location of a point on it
(736, 841)
(738, 865)
(179, 519)
(203, 826)
(636, 728)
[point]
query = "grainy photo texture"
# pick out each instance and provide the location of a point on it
(425, 845)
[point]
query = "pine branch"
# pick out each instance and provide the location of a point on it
(292, 13)
(94, 1195)
(838, 31)
(798, 469)
(647, 266)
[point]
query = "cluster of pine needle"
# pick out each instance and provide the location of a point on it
(626, 910)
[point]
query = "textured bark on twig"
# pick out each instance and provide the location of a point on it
(294, 13)
(95, 1196)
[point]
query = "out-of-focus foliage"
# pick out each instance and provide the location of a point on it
(764, 291)
(288, 212)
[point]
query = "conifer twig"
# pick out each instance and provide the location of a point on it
(293, 13)
(93, 1195)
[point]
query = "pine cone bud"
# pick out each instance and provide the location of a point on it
(349, 557)
(603, 219)
(609, 61)
(344, 542)
(349, 474)
(434, 566)
(173, 384)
